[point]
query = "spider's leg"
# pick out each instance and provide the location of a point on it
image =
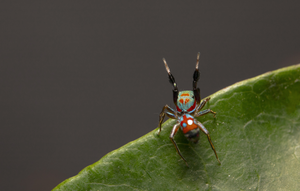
(202, 104)
(170, 113)
(205, 112)
(174, 131)
(207, 133)
(172, 81)
(196, 77)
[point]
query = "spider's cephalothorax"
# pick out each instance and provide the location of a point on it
(186, 101)
(188, 106)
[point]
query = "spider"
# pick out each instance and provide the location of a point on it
(188, 107)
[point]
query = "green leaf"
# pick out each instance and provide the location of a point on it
(256, 134)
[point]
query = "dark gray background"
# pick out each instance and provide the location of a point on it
(80, 79)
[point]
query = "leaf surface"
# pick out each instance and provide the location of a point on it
(256, 134)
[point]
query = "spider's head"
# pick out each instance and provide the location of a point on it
(186, 101)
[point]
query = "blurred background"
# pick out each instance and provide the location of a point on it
(79, 79)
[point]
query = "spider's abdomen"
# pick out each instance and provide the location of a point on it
(189, 127)
(186, 101)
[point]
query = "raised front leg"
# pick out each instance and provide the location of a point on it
(196, 77)
(170, 113)
(207, 133)
(172, 81)
(174, 131)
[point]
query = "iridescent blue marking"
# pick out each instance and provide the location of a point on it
(188, 116)
(183, 125)
(171, 115)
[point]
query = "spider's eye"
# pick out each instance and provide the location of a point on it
(193, 97)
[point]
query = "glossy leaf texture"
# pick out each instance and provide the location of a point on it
(256, 134)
